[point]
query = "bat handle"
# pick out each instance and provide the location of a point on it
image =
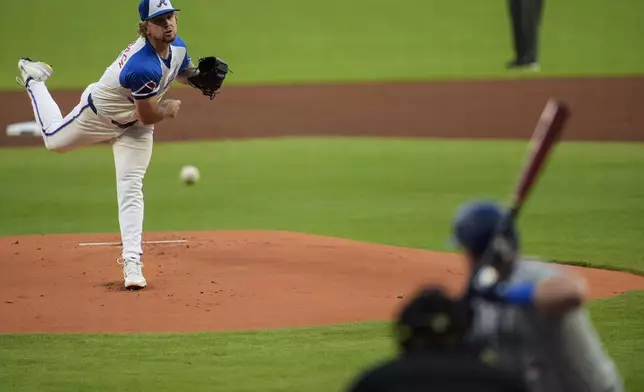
(488, 275)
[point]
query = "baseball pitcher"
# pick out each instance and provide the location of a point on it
(534, 317)
(122, 107)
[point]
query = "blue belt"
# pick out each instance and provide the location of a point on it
(90, 102)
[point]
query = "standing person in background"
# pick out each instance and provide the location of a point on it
(526, 20)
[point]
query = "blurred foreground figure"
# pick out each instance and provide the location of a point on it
(532, 316)
(430, 334)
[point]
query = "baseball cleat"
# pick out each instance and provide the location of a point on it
(133, 274)
(33, 70)
(524, 66)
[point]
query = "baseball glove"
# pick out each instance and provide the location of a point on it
(210, 76)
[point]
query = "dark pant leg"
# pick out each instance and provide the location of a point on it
(517, 27)
(532, 11)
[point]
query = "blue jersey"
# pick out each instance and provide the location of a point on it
(137, 73)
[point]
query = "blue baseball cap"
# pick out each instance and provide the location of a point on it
(475, 223)
(149, 9)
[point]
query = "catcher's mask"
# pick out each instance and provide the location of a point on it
(431, 320)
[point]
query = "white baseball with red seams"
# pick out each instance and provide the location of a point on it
(106, 112)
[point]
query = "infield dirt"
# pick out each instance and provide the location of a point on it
(224, 280)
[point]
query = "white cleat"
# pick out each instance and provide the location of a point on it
(533, 67)
(33, 70)
(133, 274)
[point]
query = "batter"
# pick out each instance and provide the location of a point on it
(534, 319)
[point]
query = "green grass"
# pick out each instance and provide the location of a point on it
(586, 207)
(291, 41)
(311, 359)
(620, 323)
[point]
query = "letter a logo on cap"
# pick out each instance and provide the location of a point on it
(150, 9)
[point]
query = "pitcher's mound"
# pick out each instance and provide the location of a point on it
(222, 281)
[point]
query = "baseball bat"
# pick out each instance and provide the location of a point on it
(546, 133)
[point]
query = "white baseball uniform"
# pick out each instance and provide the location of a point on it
(105, 112)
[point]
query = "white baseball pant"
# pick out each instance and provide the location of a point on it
(132, 148)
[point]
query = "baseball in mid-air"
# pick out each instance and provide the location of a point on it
(189, 174)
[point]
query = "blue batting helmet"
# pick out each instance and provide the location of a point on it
(475, 224)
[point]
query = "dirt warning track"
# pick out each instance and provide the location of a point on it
(607, 109)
